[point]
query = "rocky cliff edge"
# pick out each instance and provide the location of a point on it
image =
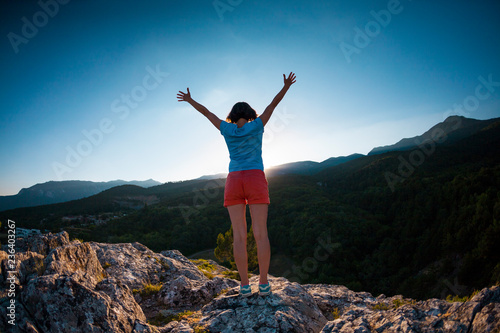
(58, 285)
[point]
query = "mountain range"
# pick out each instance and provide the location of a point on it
(308, 167)
(62, 191)
(451, 130)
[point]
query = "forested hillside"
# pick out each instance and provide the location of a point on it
(423, 222)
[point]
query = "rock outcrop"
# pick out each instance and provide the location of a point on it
(290, 308)
(61, 286)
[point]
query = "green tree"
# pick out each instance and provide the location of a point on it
(253, 261)
(224, 249)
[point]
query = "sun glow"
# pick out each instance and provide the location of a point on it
(274, 155)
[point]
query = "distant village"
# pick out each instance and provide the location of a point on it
(81, 220)
(87, 220)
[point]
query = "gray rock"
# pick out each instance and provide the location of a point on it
(63, 286)
(182, 266)
(288, 309)
(42, 243)
(177, 327)
(63, 304)
(72, 295)
(23, 321)
(27, 266)
(75, 259)
(488, 320)
(363, 313)
(338, 299)
(132, 263)
(182, 292)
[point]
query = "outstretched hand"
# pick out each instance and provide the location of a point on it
(290, 80)
(184, 97)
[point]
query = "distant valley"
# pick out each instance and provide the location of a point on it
(62, 191)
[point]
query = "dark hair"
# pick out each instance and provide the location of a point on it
(241, 110)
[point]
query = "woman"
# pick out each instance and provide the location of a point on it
(246, 181)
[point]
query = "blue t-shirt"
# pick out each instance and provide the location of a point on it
(244, 144)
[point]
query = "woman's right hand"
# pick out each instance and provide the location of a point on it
(184, 97)
(290, 80)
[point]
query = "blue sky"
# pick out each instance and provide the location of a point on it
(89, 87)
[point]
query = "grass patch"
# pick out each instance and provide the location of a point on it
(232, 275)
(204, 264)
(336, 313)
(160, 320)
(400, 302)
(148, 289)
(381, 307)
(223, 291)
(456, 298)
(396, 303)
(205, 267)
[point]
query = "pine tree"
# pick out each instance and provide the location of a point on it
(224, 250)
(253, 261)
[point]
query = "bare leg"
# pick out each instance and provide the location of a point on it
(239, 223)
(259, 226)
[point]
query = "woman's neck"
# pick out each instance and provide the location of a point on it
(241, 122)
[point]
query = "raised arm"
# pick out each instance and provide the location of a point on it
(186, 97)
(270, 108)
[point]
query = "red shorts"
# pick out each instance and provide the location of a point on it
(247, 186)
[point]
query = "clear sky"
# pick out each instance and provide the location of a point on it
(89, 87)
